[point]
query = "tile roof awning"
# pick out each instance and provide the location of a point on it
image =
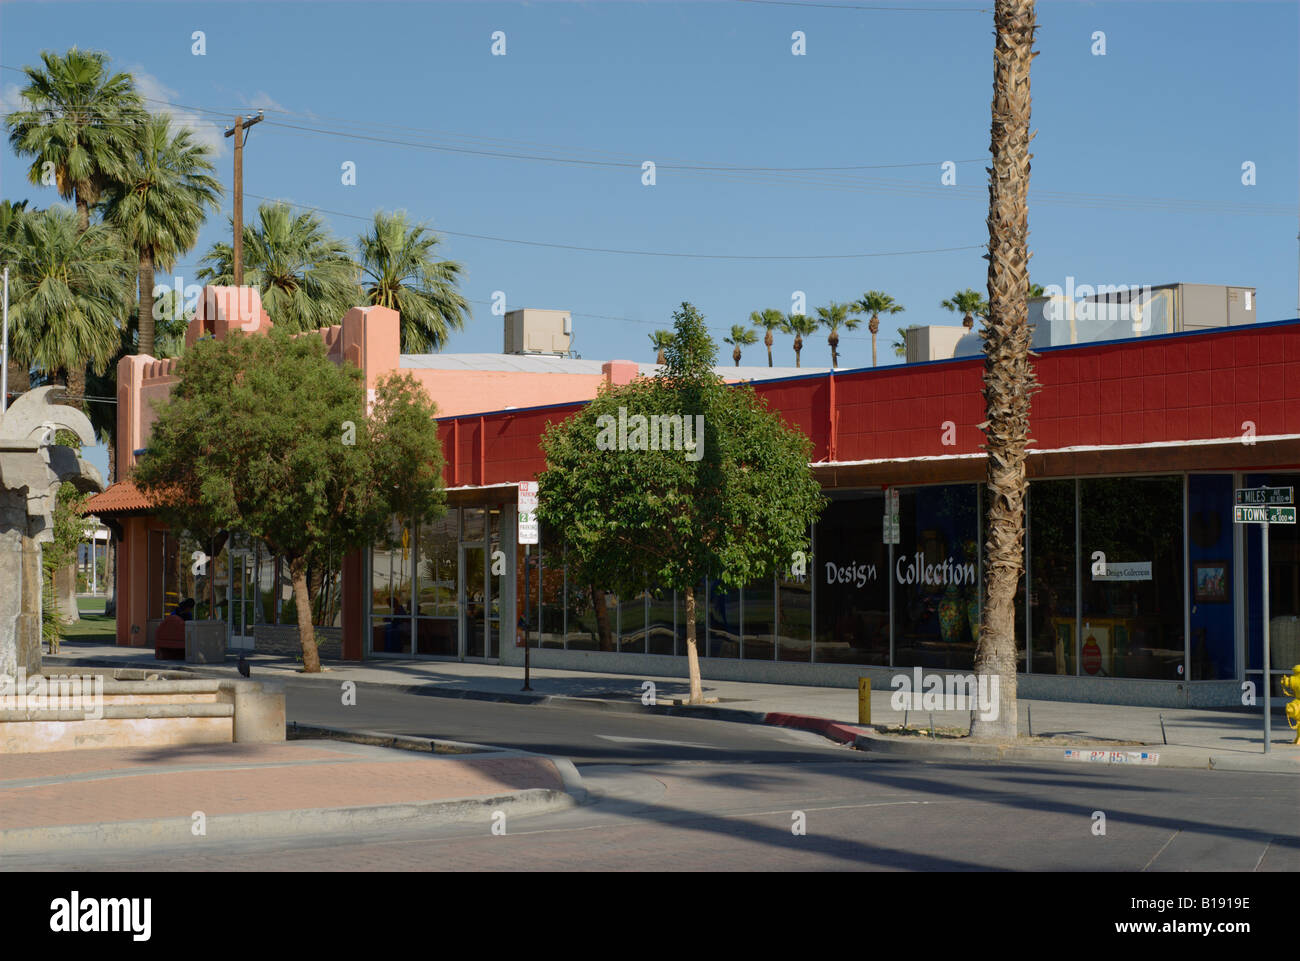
(121, 498)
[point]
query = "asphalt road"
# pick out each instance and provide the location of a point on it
(683, 794)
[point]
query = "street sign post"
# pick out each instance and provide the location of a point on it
(1266, 495)
(1263, 515)
(527, 524)
(1265, 506)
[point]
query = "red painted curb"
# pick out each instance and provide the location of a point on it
(840, 733)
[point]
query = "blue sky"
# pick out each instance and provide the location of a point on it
(1137, 174)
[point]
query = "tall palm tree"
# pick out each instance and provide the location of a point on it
(741, 336)
(969, 303)
(11, 215)
(1008, 373)
(875, 303)
(768, 320)
(78, 118)
(660, 341)
(399, 270)
(801, 325)
(158, 204)
(303, 272)
(67, 295)
(834, 316)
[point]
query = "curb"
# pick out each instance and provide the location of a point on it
(275, 825)
(879, 744)
(569, 776)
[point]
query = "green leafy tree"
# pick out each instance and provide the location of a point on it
(874, 303)
(75, 122)
(400, 270)
(70, 528)
(264, 435)
(969, 303)
(801, 325)
(157, 205)
(660, 340)
(305, 276)
(768, 321)
(735, 505)
(741, 336)
(67, 296)
(834, 316)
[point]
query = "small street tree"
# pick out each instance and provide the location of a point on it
(700, 480)
(264, 435)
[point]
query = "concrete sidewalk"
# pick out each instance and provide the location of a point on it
(131, 797)
(1222, 738)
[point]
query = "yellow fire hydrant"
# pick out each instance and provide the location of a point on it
(1291, 686)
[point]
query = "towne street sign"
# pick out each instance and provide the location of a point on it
(1264, 506)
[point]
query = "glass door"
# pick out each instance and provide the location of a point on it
(474, 601)
(241, 591)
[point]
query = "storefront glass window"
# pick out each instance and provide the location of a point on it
(1052, 570)
(936, 578)
(794, 589)
(724, 620)
(852, 572)
(1132, 617)
(1209, 556)
(390, 593)
(631, 623)
(436, 584)
(659, 626)
(760, 620)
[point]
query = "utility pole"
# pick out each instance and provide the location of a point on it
(237, 131)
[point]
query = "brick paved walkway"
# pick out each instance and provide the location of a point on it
(111, 785)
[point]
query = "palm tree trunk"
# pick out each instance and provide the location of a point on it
(735, 355)
(76, 380)
(874, 326)
(1008, 374)
(83, 211)
(20, 379)
(834, 341)
(798, 346)
(145, 309)
(768, 343)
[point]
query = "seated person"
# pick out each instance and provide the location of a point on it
(169, 639)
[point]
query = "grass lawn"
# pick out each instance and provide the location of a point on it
(92, 627)
(91, 603)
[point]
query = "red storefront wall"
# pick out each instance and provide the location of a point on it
(1178, 387)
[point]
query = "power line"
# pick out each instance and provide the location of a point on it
(840, 6)
(639, 253)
